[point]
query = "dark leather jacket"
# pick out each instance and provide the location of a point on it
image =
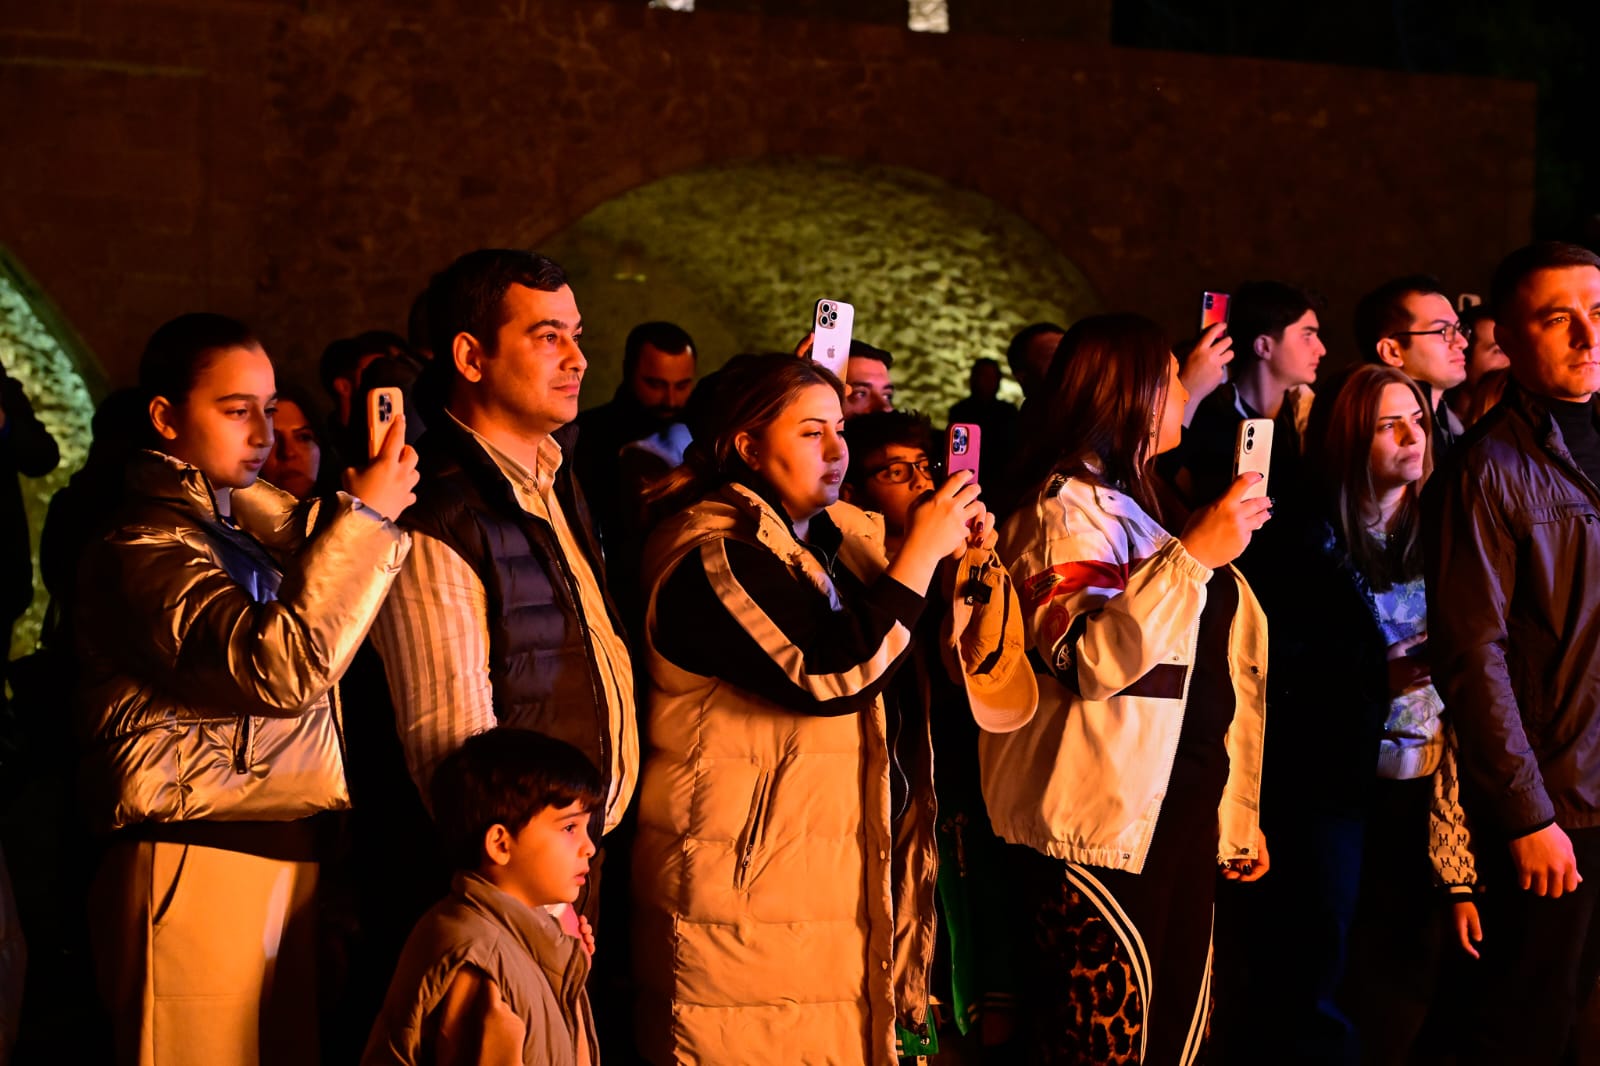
(1513, 541)
(210, 653)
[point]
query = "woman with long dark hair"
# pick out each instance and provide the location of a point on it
(783, 875)
(1356, 745)
(1139, 774)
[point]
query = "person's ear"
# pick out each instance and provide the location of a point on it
(497, 844)
(469, 357)
(342, 388)
(1389, 352)
(847, 492)
(162, 416)
(744, 446)
(1263, 348)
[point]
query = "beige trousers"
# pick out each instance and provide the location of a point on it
(206, 957)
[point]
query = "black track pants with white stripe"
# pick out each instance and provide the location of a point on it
(1122, 964)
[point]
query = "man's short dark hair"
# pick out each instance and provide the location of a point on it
(1265, 309)
(1523, 263)
(505, 776)
(1382, 312)
(1017, 350)
(179, 351)
(469, 295)
(862, 350)
(662, 336)
(340, 359)
(869, 434)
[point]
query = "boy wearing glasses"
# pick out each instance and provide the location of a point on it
(891, 464)
(1409, 323)
(895, 458)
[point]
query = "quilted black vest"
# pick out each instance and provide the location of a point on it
(541, 657)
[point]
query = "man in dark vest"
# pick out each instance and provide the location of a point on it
(501, 615)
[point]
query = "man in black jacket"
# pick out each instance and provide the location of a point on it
(1514, 637)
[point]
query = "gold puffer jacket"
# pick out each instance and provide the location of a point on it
(209, 652)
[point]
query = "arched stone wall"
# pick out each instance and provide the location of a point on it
(307, 163)
(738, 253)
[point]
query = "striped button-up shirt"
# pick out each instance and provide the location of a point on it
(433, 635)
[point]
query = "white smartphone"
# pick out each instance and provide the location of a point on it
(1252, 450)
(384, 405)
(830, 337)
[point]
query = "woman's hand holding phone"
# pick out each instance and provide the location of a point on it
(1218, 532)
(937, 528)
(1205, 366)
(386, 484)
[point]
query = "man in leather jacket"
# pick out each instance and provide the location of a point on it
(1513, 538)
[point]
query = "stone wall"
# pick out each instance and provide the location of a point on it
(307, 163)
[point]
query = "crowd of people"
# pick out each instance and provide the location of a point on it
(719, 723)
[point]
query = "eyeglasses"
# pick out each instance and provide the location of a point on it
(899, 472)
(1449, 332)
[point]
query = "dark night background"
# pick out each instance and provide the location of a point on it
(1551, 45)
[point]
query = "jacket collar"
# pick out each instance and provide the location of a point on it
(271, 516)
(536, 929)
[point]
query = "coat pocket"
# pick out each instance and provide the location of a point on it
(755, 828)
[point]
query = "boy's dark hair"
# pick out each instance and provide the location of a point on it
(870, 434)
(505, 776)
(662, 336)
(1382, 312)
(1523, 263)
(862, 350)
(179, 350)
(1265, 309)
(1017, 350)
(468, 296)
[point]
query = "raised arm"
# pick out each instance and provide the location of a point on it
(204, 633)
(737, 612)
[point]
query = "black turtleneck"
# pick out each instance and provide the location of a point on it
(1579, 433)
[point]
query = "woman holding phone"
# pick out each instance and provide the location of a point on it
(1140, 773)
(783, 875)
(213, 628)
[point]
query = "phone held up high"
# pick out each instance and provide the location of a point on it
(1213, 309)
(1252, 450)
(383, 406)
(830, 343)
(961, 448)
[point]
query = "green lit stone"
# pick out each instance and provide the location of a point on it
(39, 351)
(737, 255)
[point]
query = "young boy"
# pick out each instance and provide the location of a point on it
(890, 467)
(488, 976)
(892, 462)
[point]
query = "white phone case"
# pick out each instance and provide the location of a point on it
(1252, 450)
(830, 345)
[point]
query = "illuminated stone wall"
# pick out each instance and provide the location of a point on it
(38, 354)
(305, 164)
(738, 254)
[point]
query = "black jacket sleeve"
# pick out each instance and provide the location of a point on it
(739, 613)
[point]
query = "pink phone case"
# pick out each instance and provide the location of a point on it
(961, 448)
(1213, 309)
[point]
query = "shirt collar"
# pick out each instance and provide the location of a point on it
(547, 463)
